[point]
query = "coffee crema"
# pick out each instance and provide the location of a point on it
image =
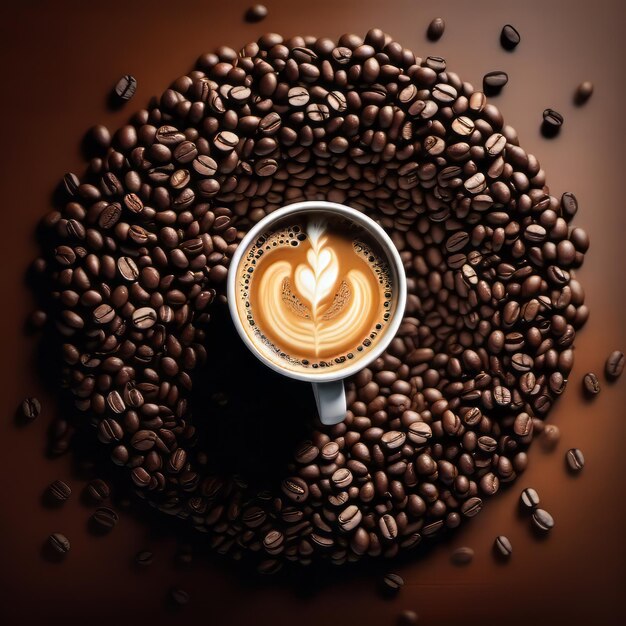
(315, 291)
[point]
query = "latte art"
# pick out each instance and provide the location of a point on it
(315, 294)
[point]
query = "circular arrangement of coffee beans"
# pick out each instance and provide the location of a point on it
(434, 426)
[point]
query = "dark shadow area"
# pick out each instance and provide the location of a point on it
(491, 90)
(114, 102)
(549, 131)
(248, 417)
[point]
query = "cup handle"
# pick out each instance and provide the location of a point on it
(331, 401)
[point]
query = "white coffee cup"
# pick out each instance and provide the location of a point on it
(328, 387)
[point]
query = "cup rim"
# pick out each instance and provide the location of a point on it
(383, 239)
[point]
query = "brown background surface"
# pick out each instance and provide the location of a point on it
(59, 60)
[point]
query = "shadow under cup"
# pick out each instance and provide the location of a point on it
(316, 291)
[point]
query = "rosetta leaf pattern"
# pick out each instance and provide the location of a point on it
(316, 279)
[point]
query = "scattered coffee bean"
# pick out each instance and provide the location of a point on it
(614, 365)
(569, 205)
(71, 182)
(552, 122)
(144, 318)
(256, 13)
(38, 319)
(97, 490)
(144, 558)
(407, 618)
(529, 499)
(435, 29)
(542, 520)
(59, 491)
(575, 460)
(59, 543)
(462, 556)
(104, 519)
(503, 547)
(550, 437)
(179, 597)
(31, 407)
(126, 87)
(591, 384)
(583, 92)
(471, 507)
(392, 583)
(100, 136)
(509, 37)
(494, 81)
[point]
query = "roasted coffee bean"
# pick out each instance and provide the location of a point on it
(388, 527)
(306, 453)
(110, 215)
(583, 92)
(204, 165)
(99, 136)
(552, 122)
(591, 384)
(471, 507)
(349, 518)
(116, 404)
(494, 81)
(392, 583)
(38, 319)
(266, 167)
(126, 87)
(509, 37)
(256, 13)
(419, 433)
(270, 124)
(542, 520)
(179, 597)
(342, 478)
(97, 490)
(462, 556)
(550, 437)
(226, 141)
(71, 183)
(407, 618)
(393, 440)
(144, 558)
(614, 365)
(144, 318)
(59, 491)
(104, 519)
(103, 314)
(489, 484)
(529, 499)
(59, 544)
(575, 460)
(298, 96)
(502, 547)
(502, 395)
(569, 205)
(31, 408)
(436, 28)
(295, 489)
(128, 268)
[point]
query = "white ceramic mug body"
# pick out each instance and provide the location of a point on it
(328, 384)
